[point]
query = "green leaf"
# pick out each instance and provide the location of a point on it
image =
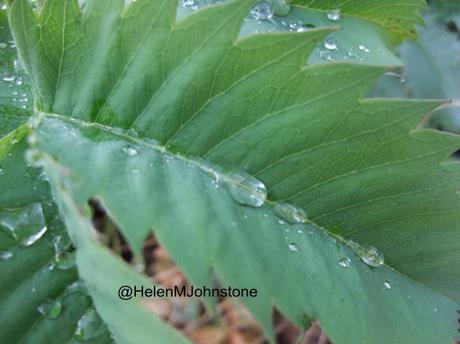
(40, 290)
(355, 39)
(398, 16)
(113, 79)
(432, 65)
(35, 279)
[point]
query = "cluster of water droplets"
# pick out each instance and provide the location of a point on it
(14, 81)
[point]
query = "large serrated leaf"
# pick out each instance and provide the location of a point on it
(132, 75)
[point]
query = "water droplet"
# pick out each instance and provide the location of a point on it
(5, 255)
(345, 262)
(262, 11)
(330, 43)
(325, 54)
(78, 286)
(293, 247)
(22, 223)
(303, 28)
(290, 213)
(63, 256)
(9, 78)
(334, 14)
(299, 231)
(370, 255)
(34, 237)
(387, 285)
(435, 310)
(89, 326)
(373, 257)
(130, 151)
(50, 309)
(188, 4)
(246, 189)
(364, 48)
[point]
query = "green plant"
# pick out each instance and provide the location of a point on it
(248, 165)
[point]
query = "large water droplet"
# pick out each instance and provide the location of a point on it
(23, 224)
(290, 213)
(262, 11)
(5, 255)
(50, 309)
(387, 285)
(245, 189)
(89, 326)
(293, 247)
(345, 262)
(370, 255)
(334, 14)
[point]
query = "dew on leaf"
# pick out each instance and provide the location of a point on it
(290, 213)
(387, 285)
(26, 224)
(372, 257)
(78, 286)
(245, 189)
(345, 262)
(330, 43)
(130, 151)
(89, 326)
(325, 54)
(369, 255)
(293, 247)
(32, 239)
(334, 14)
(364, 48)
(303, 28)
(50, 309)
(64, 258)
(262, 11)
